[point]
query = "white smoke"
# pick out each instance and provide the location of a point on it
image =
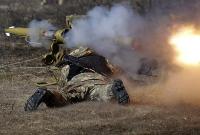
(113, 32)
(35, 32)
(110, 32)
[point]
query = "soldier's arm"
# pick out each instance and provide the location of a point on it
(95, 63)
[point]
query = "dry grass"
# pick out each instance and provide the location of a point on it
(90, 118)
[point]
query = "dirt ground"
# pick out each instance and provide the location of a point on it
(20, 68)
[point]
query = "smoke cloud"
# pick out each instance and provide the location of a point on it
(110, 32)
(35, 32)
(124, 38)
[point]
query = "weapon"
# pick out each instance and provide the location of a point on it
(55, 36)
(44, 36)
(23, 32)
(89, 63)
(39, 37)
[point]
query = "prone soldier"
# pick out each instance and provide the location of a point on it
(84, 76)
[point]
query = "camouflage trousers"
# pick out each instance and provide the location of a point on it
(85, 86)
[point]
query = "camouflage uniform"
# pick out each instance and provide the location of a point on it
(84, 86)
(87, 86)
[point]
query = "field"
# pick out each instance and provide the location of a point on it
(20, 68)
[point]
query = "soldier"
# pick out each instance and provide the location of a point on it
(84, 76)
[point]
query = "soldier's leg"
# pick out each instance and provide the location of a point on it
(50, 98)
(113, 90)
(120, 92)
(94, 86)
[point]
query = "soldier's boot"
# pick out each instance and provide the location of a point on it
(120, 92)
(51, 99)
(36, 99)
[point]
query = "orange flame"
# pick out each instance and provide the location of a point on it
(186, 42)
